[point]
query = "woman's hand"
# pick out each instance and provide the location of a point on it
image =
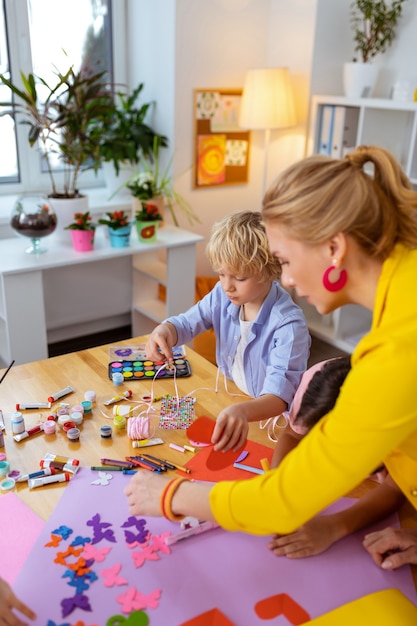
(8, 602)
(160, 343)
(144, 493)
(392, 547)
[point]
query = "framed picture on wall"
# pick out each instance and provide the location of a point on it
(221, 148)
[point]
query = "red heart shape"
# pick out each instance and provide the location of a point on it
(201, 430)
(220, 460)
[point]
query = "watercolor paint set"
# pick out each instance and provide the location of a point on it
(133, 364)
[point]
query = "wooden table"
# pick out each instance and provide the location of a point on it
(87, 370)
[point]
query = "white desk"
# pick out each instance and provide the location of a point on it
(64, 289)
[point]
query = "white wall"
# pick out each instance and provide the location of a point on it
(181, 45)
(202, 44)
(334, 45)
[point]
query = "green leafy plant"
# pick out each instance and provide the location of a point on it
(374, 23)
(148, 213)
(151, 182)
(124, 136)
(82, 221)
(115, 220)
(64, 121)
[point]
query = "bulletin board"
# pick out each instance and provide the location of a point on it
(221, 148)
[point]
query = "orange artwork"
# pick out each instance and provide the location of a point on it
(211, 159)
(221, 146)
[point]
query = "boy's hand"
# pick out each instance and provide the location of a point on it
(160, 343)
(231, 429)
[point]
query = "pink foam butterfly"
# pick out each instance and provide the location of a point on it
(111, 577)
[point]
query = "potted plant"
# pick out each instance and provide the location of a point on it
(374, 25)
(152, 183)
(65, 118)
(119, 227)
(82, 231)
(125, 137)
(147, 221)
(64, 121)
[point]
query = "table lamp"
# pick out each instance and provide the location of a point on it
(267, 103)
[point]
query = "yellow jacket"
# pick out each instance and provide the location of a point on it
(373, 421)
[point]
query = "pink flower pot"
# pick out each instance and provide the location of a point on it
(82, 240)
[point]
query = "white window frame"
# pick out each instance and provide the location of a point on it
(17, 25)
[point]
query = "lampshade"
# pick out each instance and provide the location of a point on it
(267, 100)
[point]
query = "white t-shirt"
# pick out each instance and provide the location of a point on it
(238, 372)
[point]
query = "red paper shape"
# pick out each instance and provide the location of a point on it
(282, 604)
(214, 617)
(201, 430)
(200, 470)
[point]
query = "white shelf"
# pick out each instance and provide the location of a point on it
(386, 123)
(74, 291)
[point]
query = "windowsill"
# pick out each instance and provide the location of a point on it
(98, 202)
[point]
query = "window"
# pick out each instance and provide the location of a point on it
(39, 37)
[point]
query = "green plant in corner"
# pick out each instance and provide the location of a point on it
(124, 136)
(374, 23)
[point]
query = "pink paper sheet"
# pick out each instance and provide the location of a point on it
(231, 572)
(20, 528)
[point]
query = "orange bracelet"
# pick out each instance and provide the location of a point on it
(166, 499)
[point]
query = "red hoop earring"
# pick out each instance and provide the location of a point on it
(338, 284)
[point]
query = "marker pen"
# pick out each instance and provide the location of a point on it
(191, 532)
(117, 463)
(49, 471)
(33, 405)
(60, 394)
(122, 396)
(27, 433)
(47, 480)
(146, 465)
(107, 468)
(154, 459)
(171, 465)
(140, 460)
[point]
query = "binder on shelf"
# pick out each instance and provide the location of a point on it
(326, 129)
(344, 130)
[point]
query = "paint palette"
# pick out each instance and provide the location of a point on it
(145, 369)
(131, 361)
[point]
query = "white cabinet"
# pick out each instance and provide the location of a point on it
(338, 124)
(64, 289)
(371, 121)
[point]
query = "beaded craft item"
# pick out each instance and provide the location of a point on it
(176, 412)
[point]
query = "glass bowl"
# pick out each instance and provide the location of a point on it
(33, 217)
